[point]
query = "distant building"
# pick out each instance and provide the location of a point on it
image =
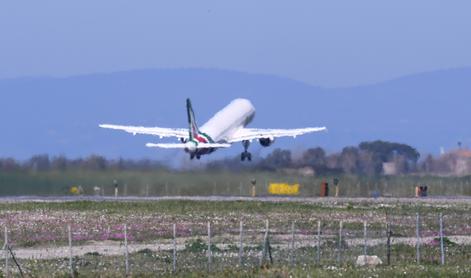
(389, 168)
(459, 161)
(305, 171)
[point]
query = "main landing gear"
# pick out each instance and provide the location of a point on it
(192, 156)
(246, 154)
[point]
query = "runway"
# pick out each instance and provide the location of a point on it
(313, 200)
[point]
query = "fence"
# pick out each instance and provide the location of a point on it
(219, 244)
(223, 183)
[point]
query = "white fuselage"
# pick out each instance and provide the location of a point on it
(236, 115)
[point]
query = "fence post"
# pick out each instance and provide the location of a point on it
(174, 268)
(318, 258)
(442, 245)
(292, 244)
(71, 264)
(209, 247)
(417, 241)
(339, 255)
(126, 255)
(266, 245)
(365, 239)
(388, 243)
(241, 247)
(7, 254)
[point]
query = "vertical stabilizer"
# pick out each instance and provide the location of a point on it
(193, 127)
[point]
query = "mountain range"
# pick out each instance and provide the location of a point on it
(61, 115)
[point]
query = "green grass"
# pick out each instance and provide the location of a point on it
(163, 182)
(178, 207)
(192, 262)
(149, 264)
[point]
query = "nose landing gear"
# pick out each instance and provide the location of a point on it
(246, 154)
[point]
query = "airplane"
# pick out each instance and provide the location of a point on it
(226, 127)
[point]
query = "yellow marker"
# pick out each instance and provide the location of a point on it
(283, 189)
(74, 190)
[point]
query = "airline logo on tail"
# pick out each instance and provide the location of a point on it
(194, 134)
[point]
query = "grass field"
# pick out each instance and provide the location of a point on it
(192, 183)
(40, 229)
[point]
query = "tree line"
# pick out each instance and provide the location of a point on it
(367, 158)
(43, 163)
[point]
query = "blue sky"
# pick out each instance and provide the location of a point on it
(326, 43)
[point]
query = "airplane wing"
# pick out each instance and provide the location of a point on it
(255, 133)
(183, 146)
(156, 131)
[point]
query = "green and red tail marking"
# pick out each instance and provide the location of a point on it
(195, 134)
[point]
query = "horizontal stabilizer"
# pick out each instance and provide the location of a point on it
(183, 146)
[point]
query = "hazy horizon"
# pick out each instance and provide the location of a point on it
(322, 43)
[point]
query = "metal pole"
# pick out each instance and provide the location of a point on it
(365, 242)
(388, 250)
(339, 255)
(417, 233)
(147, 190)
(126, 255)
(71, 265)
(7, 254)
(209, 247)
(174, 247)
(115, 183)
(241, 246)
(265, 243)
(318, 258)
(442, 245)
(292, 244)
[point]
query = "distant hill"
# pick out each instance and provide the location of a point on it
(61, 115)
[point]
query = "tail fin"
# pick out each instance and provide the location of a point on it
(193, 127)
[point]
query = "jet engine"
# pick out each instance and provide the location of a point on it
(266, 142)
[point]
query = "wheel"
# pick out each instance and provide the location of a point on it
(249, 156)
(192, 156)
(198, 157)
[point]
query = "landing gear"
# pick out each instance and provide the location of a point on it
(246, 154)
(193, 155)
